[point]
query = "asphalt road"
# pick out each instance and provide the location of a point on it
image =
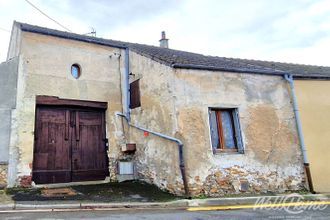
(168, 214)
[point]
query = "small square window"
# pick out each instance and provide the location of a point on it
(225, 130)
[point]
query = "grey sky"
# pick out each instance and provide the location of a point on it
(289, 31)
(107, 15)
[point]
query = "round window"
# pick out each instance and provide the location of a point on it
(75, 71)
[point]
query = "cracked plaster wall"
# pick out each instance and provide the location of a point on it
(272, 159)
(45, 64)
(176, 101)
(156, 159)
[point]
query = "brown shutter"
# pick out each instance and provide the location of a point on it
(135, 94)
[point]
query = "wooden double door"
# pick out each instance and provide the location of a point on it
(70, 145)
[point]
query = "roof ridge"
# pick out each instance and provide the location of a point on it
(280, 62)
(185, 59)
(107, 39)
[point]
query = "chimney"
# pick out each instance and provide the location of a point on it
(163, 42)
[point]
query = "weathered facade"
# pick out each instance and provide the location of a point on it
(99, 81)
(176, 100)
(272, 159)
(311, 84)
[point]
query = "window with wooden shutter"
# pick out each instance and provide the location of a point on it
(225, 130)
(135, 94)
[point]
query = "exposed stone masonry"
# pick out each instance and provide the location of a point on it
(3, 175)
(236, 180)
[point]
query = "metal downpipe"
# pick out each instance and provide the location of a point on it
(183, 171)
(289, 79)
(127, 101)
(180, 148)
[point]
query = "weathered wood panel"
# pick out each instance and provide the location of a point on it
(69, 145)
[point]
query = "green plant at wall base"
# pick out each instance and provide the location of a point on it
(15, 190)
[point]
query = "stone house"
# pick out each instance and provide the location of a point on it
(78, 108)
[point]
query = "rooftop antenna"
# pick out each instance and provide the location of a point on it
(92, 33)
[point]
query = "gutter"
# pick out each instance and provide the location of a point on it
(289, 79)
(127, 87)
(70, 36)
(227, 69)
(127, 116)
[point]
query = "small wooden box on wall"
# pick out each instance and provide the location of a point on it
(128, 148)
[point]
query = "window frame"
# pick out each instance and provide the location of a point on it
(235, 124)
(78, 67)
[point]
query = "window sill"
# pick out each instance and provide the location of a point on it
(225, 151)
